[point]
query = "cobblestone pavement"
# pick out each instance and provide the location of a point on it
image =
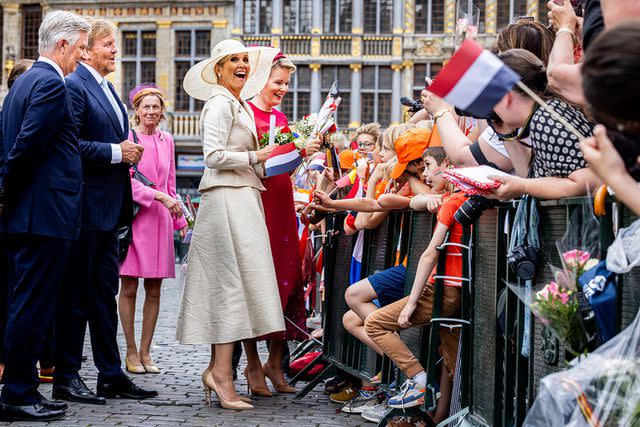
(181, 398)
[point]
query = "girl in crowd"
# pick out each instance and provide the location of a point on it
(231, 292)
(150, 255)
(283, 236)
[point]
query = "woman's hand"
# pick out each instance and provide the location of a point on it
(321, 198)
(183, 231)
(327, 183)
(362, 167)
(562, 16)
(602, 157)
(406, 313)
(432, 102)
(170, 203)
(312, 146)
(511, 187)
(263, 153)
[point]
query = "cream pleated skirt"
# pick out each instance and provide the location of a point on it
(230, 291)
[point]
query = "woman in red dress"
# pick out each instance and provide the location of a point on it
(283, 235)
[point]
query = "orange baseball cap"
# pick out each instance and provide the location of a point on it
(410, 146)
(348, 158)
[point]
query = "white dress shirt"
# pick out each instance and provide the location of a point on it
(116, 150)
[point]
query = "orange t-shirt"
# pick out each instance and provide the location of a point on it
(453, 264)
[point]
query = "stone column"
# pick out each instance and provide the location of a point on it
(407, 78)
(165, 74)
(532, 10)
(238, 17)
(356, 87)
(409, 16)
(276, 16)
(316, 17)
(358, 17)
(491, 17)
(396, 87)
(316, 90)
(11, 34)
(398, 16)
(449, 16)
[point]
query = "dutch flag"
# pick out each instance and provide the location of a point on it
(474, 80)
(283, 159)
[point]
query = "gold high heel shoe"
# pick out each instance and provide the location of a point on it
(208, 384)
(134, 369)
(280, 388)
(256, 391)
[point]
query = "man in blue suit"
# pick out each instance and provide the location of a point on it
(42, 180)
(89, 290)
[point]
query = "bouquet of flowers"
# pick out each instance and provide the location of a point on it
(322, 124)
(281, 136)
(467, 21)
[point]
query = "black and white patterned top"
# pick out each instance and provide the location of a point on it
(556, 151)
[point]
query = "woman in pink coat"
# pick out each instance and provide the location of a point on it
(150, 254)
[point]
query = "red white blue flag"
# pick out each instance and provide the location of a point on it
(283, 159)
(474, 79)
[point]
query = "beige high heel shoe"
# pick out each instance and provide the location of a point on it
(209, 384)
(280, 388)
(151, 368)
(256, 391)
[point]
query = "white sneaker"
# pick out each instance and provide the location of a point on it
(376, 413)
(363, 401)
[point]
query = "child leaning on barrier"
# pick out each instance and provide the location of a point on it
(416, 309)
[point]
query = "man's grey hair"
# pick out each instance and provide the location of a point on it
(60, 25)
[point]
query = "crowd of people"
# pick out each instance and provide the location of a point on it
(88, 205)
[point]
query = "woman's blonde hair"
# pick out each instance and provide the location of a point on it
(373, 129)
(285, 63)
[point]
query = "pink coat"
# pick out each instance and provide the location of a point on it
(151, 253)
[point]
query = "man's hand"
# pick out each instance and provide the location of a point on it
(131, 152)
(406, 313)
(512, 187)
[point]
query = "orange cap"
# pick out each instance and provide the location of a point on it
(410, 146)
(348, 159)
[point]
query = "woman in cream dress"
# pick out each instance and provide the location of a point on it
(230, 293)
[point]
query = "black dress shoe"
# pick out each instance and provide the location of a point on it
(54, 405)
(35, 412)
(124, 388)
(75, 390)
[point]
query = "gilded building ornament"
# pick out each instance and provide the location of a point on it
(315, 67)
(428, 47)
(356, 47)
(449, 16)
(491, 16)
(164, 24)
(397, 46)
(355, 67)
(315, 46)
(220, 23)
(409, 16)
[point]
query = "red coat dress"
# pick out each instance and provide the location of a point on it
(280, 216)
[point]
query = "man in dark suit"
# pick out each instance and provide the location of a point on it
(89, 290)
(42, 180)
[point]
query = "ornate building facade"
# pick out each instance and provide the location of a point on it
(377, 50)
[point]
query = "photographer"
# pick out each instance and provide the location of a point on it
(611, 88)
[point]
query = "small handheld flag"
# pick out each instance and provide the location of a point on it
(283, 159)
(474, 79)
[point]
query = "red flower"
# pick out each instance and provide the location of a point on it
(285, 130)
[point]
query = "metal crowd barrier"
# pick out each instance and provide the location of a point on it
(500, 383)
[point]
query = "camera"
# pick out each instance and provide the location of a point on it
(414, 106)
(472, 208)
(522, 261)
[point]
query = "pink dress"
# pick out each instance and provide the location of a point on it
(280, 216)
(151, 252)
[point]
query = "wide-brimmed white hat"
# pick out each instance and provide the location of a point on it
(201, 78)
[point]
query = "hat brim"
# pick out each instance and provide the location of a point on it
(201, 78)
(398, 169)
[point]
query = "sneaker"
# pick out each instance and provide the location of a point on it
(376, 413)
(410, 395)
(365, 399)
(345, 395)
(335, 384)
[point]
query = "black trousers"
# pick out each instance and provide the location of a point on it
(37, 265)
(88, 296)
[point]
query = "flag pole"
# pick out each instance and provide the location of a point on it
(551, 111)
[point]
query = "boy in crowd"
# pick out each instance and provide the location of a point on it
(416, 309)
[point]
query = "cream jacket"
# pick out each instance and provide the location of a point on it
(228, 133)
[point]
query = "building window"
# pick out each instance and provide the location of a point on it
(31, 20)
(191, 46)
(337, 16)
(296, 104)
(257, 16)
(378, 17)
(138, 59)
(420, 71)
(481, 5)
(507, 10)
(297, 16)
(376, 94)
(342, 75)
(429, 16)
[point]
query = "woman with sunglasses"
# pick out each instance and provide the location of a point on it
(557, 168)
